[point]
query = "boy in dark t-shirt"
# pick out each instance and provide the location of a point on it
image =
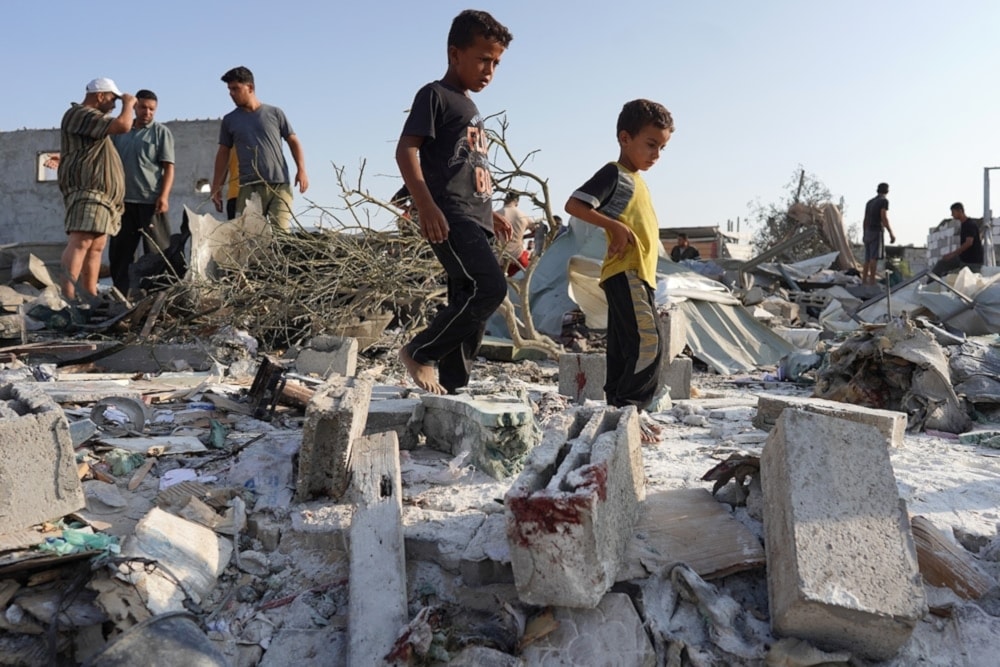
(443, 159)
(616, 200)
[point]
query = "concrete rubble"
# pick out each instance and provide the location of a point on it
(521, 522)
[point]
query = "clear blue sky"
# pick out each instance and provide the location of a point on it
(856, 91)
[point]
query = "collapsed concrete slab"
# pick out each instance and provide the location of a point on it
(841, 564)
(891, 424)
(38, 477)
(498, 434)
(335, 417)
(571, 512)
(610, 634)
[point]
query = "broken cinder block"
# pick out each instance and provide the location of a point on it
(582, 376)
(328, 355)
(841, 565)
(335, 417)
(38, 478)
(571, 513)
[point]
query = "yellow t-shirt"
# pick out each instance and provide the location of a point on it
(622, 194)
(233, 188)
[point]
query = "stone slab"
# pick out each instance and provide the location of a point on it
(612, 633)
(571, 512)
(498, 434)
(486, 558)
(38, 476)
(439, 537)
(842, 568)
(891, 424)
(377, 588)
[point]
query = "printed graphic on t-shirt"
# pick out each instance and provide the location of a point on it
(472, 149)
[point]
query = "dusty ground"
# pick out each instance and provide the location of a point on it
(282, 606)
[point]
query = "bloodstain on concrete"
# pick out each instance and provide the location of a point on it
(549, 513)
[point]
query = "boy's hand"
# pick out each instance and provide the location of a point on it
(621, 237)
(433, 225)
(501, 227)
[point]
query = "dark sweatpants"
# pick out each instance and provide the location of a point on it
(136, 219)
(633, 358)
(476, 288)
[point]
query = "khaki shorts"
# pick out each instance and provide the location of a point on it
(275, 202)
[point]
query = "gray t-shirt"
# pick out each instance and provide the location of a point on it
(143, 152)
(256, 136)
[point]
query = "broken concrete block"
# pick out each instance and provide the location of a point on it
(377, 607)
(677, 376)
(439, 537)
(318, 527)
(891, 424)
(610, 634)
(581, 376)
(672, 335)
(498, 434)
(192, 556)
(394, 414)
(486, 559)
(327, 355)
(335, 417)
(571, 513)
(27, 268)
(841, 564)
(38, 478)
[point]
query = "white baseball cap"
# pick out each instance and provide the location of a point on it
(103, 85)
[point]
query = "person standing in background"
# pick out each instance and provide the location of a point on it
(147, 155)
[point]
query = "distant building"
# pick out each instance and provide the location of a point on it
(710, 241)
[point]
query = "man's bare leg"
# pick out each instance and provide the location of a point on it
(73, 258)
(91, 271)
(423, 375)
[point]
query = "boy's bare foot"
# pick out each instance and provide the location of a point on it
(423, 375)
(649, 431)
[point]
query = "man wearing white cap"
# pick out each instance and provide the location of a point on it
(92, 182)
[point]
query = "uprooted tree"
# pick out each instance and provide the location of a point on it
(776, 222)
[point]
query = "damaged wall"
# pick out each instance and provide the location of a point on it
(31, 210)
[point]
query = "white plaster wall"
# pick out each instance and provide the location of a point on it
(32, 211)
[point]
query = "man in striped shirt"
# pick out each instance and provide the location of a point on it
(92, 182)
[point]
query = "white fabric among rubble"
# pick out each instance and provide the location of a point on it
(216, 243)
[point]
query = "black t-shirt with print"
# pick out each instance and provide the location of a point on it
(453, 156)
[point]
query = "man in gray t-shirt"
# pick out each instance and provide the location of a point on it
(255, 131)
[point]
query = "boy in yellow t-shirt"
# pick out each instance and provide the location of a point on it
(616, 199)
